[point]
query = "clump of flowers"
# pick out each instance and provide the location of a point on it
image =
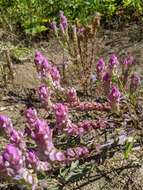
(74, 40)
(21, 162)
(117, 73)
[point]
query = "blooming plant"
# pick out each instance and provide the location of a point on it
(36, 149)
(79, 42)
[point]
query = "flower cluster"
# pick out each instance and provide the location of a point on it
(36, 149)
(63, 22)
(71, 96)
(44, 95)
(42, 134)
(105, 72)
(100, 67)
(46, 71)
(12, 159)
(111, 73)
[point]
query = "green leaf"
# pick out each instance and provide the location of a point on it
(35, 30)
(63, 172)
(74, 165)
(128, 148)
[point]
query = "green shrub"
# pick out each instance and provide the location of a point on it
(33, 16)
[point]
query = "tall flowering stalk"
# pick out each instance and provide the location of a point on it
(135, 83)
(109, 71)
(113, 62)
(62, 116)
(114, 98)
(75, 40)
(48, 73)
(126, 69)
(107, 79)
(100, 67)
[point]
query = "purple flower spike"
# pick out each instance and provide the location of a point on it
(44, 94)
(32, 159)
(38, 58)
(55, 74)
(61, 113)
(72, 95)
(16, 138)
(42, 135)
(54, 26)
(63, 20)
(128, 61)
(113, 61)
(100, 66)
(106, 77)
(42, 65)
(135, 82)
(62, 29)
(75, 153)
(45, 68)
(31, 116)
(5, 125)
(12, 158)
(114, 97)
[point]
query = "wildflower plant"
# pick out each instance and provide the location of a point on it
(35, 150)
(79, 42)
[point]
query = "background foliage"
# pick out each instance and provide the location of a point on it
(33, 16)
